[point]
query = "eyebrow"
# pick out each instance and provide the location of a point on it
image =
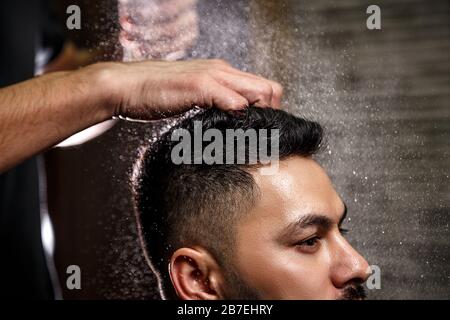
(312, 220)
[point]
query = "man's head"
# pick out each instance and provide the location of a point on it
(227, 231)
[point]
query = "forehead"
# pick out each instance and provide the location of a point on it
(299, 187)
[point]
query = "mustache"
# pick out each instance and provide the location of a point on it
(354, 292)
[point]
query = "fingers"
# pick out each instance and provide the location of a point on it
(215, 94)
(277, 94)
(256, 91)
(229, 100)
(174, 87)
(277, 89)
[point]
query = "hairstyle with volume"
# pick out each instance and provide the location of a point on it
(198, 204)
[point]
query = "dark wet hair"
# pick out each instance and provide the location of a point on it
(198, 204)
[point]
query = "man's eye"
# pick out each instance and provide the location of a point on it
(343, 231)
(311, 242)
(310, 245)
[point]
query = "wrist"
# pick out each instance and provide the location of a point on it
(102, 91)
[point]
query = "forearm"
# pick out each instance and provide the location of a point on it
(39, 113)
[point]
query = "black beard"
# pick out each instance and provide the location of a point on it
(354, 292)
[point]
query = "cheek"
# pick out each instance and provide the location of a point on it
(284, 273)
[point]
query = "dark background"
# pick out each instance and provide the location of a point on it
(382, 95)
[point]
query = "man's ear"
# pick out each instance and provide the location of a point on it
(196, 275)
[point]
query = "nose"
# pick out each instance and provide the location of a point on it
(348, 265)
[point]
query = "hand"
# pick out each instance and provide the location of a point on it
(41, 112)
(156, 89)
(157, 29)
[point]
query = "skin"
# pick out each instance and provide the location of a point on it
(276, 256)
(38, 113)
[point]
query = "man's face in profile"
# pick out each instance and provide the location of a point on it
(290, 245)
(235, 232)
